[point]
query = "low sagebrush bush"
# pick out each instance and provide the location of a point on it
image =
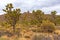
(48, 26)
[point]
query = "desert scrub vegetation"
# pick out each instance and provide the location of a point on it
(47, 26)
(15, 23)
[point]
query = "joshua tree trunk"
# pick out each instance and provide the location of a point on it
(14, 29)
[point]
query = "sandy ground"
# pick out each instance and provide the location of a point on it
(27, 34)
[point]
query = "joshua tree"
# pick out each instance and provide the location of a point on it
(12, 15)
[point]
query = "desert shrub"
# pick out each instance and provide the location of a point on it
(48, 26)
(36, 29)
(5, 26)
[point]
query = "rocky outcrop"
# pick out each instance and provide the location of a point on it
(46, 37)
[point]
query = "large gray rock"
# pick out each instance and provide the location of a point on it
(56, 37)
(48, 38)
(41, 37)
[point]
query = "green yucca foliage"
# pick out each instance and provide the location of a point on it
(12, 15)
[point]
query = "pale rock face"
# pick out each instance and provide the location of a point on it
(56, 37)
(41, 37)
(46, 37)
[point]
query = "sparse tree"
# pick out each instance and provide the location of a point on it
(38, 15)
(53, 13)
(12, 15)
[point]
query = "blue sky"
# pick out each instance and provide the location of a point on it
(46, 5)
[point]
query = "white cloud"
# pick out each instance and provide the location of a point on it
(51, 8)
(7, 1)
(45, 5)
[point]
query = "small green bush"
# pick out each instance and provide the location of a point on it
(48, 26)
